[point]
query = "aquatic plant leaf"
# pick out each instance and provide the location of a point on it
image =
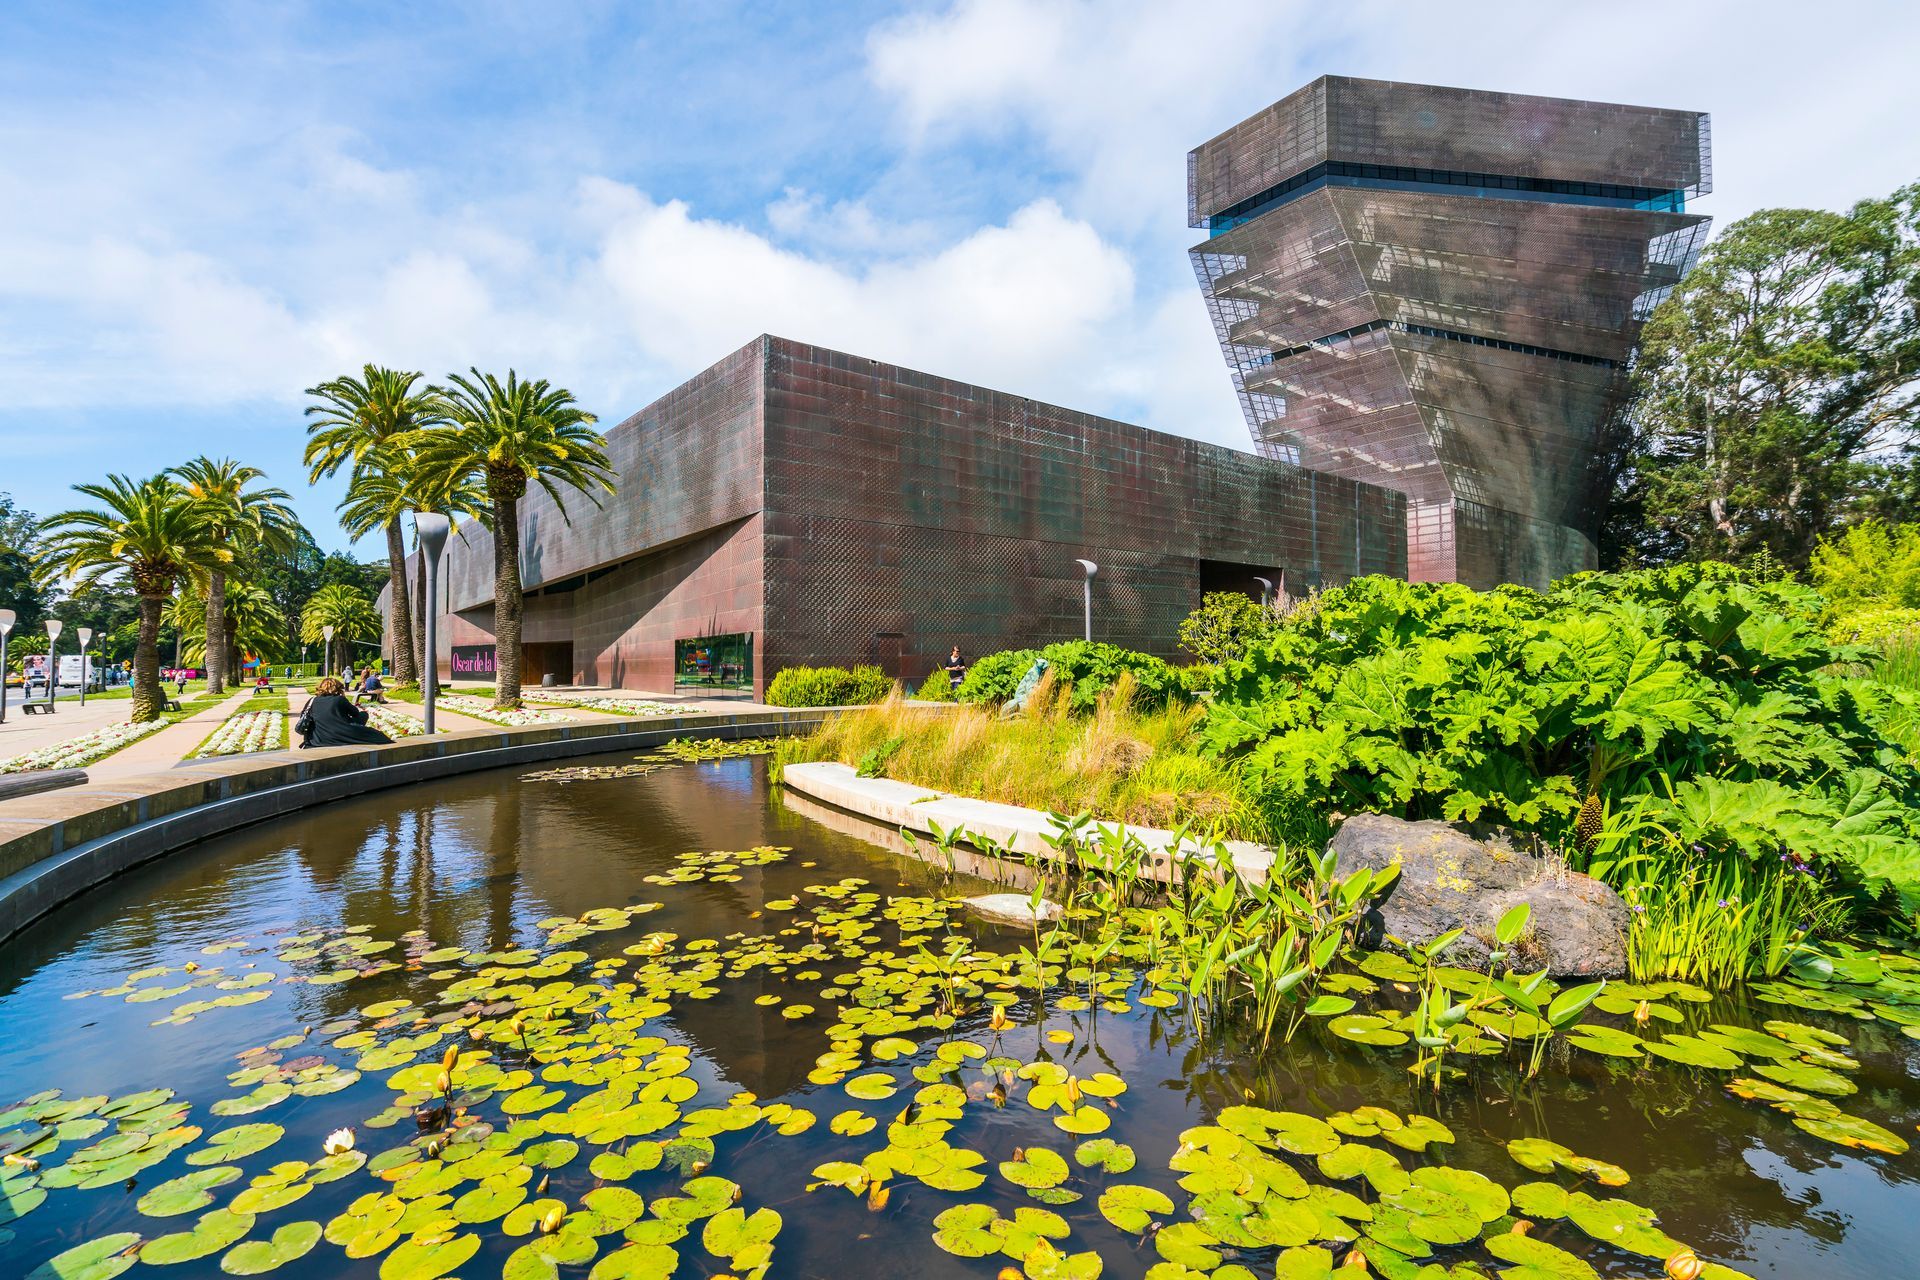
(98, 1259)
(416, 1259)
(966, 1230)
(1354, 1160)
(1436, 1217)
(1538, 1260)
(1621, 1223)
(1418, 1133)
(1130, 1207)
(1366, 1028)
(257, 1257)
(1538, 1154)
(215, 1230)
(187, 1193)
(1083, 1121)
(1807, 1078)
(1748, 1042)
(1540, 1200)
(1596, 1037)
(639, 1260)
(871, 1087)
(851, 1124)
(1105, 1154)
(1853, 1131)
(1035, 1167)
(733, 1233)
(1189, 1244)
(1693, 1052)
(1487, 1199)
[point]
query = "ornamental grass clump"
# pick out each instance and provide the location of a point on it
(1119, 762)
(1645, 723)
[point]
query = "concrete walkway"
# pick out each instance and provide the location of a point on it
(23, 733)
(168, 747)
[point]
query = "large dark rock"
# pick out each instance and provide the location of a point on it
(1457, 877)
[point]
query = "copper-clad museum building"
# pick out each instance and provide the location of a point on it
(1428, 299)
(794, 505)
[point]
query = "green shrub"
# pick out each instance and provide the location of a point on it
(994, 677)
(828, 686)
(1225, 626)
(1088, 669)
(937, 687)
(1624, 717)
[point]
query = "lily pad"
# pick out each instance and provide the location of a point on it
(98, 1259)
(257, 1257)
(1693, 1052)
(1131, 1207)
(187, 1193)
(966, 1230)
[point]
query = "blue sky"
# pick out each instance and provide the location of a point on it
(206, 207)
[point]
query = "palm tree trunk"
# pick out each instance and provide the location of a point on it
(506, 599)
(216, 631)
(399, 608)
(147, 699)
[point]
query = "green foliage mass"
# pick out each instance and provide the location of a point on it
(1226, 625)
(1088, 669)
(1704, 712)
(828, 687)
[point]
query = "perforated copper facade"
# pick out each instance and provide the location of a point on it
(842, 510)
(1439, 290)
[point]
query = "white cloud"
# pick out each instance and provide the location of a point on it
(1018, 304)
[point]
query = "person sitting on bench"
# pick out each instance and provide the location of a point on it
(370, 687)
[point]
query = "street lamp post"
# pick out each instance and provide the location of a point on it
(1086, 595)
(53, 665)
(7, 617)
(86, 638)
(1266, 589)
(326, 650)
(430, 530)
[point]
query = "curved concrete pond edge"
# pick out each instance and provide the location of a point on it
(901, 804)
(57, 845)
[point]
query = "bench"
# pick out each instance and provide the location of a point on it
(37, 706)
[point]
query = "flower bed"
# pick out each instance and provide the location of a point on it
(610, 705)
(480, 709)
(395, 724)
(84, 750)
(246, 732)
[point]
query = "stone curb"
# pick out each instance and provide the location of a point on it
(57, 845)
(901, 804)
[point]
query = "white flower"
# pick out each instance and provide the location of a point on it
(338, 1141)
(84, 750)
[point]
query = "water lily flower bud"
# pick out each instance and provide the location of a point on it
(998, 1019)
(550, 1221)
(443, 1083)
(451, 1056)
(340, 1140)
(1682, 1264)
(877, 1196)
(1642, 1011)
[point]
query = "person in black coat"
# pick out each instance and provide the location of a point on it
(331, 721)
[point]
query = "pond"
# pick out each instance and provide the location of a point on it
(675, 1016)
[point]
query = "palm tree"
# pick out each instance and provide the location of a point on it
(393, 484)
(507, 434)
(253, 623)
(154, 532)
(249, 521)
(349, 612)
(354, 418)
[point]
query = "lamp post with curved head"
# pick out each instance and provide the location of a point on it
(86, 638)
(326, 650)
(1086, 595)
(1266, 589)
(430, 530)
(7, 617)
(54, 626)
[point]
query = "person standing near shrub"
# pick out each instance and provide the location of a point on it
(956, 669)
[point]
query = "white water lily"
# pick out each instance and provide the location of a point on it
(340, 1140)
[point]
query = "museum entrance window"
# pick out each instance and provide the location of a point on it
(713, 662)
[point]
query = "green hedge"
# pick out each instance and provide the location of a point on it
(1090, 669)
(828, 687)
